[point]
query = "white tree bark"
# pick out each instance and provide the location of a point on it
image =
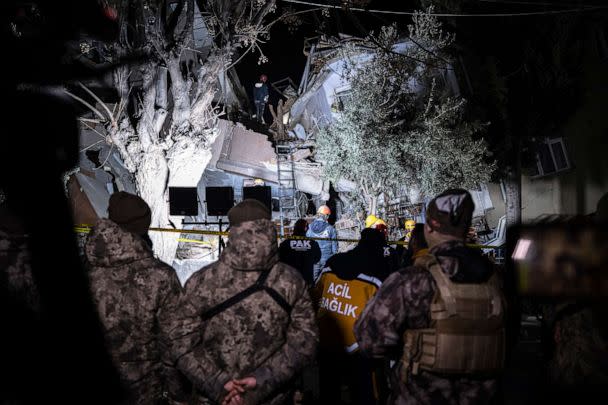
(158, 153)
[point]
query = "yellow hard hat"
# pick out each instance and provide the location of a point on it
(324, 210)
(370, 220)
(410, 224)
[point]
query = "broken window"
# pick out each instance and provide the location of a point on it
(551, 158)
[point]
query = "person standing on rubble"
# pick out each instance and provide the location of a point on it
(260, 97)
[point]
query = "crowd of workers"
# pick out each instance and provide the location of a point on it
(426, 328)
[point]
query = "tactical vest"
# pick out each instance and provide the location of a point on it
(466, 335)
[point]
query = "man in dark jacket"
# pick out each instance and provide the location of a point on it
(245, 321)
(301, 254)
(260, 97)
(135, 294)
(417, 247)
(403, 304)
(391, 256)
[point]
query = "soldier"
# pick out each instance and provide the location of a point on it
(134, 293)
(445, 315)
(246, 325)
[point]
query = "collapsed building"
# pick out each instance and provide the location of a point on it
(282, 159)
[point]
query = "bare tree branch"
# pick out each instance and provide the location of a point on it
(94, 121)
(160, 114)
(257, 20)
(174, 19)
(92, 145)
(144, 126)
(241, 57)
(86, 104)
(104, 137)
(187, 30)
(105, 107)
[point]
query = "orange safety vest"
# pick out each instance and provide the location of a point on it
(340, 305)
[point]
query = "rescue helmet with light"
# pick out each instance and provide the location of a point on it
(324, 210)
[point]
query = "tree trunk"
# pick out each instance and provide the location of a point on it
(373, 204)
(151, 180)
(513, 184)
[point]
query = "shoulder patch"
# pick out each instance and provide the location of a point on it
(369, 279)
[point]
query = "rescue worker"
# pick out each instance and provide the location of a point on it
(409, 225)
(445, 315)
(134, 294)
(417, 247)
(370, 220)
(345, 287)
(246, 326)
(320, 228)
(299, 253)
(260, 97)
(390, 255)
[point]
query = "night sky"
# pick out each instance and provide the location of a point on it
(285, 48)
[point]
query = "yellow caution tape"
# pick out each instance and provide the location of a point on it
(202, 242)
(83, 228)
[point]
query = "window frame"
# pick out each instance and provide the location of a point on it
(549, 142)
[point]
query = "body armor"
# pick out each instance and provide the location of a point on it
(466, 335)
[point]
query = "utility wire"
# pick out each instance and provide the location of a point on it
(529, 3)
(532, 13)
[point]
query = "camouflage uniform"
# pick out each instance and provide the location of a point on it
(256, 336)
(134, 294)
(15, 262)
(580, 358)
(404, 302)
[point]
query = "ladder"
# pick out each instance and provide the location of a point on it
(288, 203)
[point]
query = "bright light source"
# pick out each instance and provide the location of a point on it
(286, 118)
(521, 249)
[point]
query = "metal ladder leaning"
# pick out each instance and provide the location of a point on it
(287, 183)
